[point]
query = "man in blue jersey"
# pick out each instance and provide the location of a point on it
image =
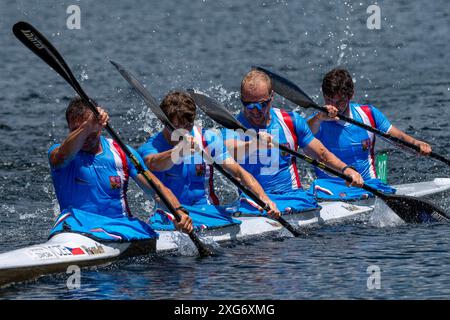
(90, 174)
(277, 171)
(353, 144)
(181, 167)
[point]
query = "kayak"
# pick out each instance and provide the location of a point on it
(66, 249)
(422, 189)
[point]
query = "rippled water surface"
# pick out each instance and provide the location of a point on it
(401, 68)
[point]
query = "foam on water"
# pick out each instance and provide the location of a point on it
(55, 208)
(187, 248)
(7, 210)
(27, 216)
(383, 216)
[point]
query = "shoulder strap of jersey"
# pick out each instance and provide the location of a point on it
(123, 172)
(367, 115)
(287, 124)
(289, 120)
(209, 174)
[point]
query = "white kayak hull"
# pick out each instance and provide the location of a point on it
(253, 226)
(66, 249)
(62, 251)
(422, 189)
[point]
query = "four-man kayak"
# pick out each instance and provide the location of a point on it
(66, 249)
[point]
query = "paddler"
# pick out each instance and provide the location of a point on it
(352, 144)
(180, 166)
(276, 171)
(90, 174)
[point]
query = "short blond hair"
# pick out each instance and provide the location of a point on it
(252, 79)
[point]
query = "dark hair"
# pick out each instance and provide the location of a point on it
(77, 109)
(180, 105)
(338, 81)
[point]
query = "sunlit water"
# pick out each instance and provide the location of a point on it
(401, 68)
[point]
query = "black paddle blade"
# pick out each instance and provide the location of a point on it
(38, 43)
(288, 89)
(40, 46)
(144, 93)
(215, 110)
(414, 210)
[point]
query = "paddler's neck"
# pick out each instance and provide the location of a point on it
(347, 111)
(99, 148)
(96, 149)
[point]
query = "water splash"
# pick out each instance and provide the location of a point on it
(185, 246)
(383, 216)
(7, 210)
(27, 216)
(55, 208)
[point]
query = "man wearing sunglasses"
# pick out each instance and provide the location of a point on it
(282, 184)
(181, 167)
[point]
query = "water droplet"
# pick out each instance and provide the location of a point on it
(84, 76)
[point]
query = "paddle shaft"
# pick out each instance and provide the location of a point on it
(292, 92)
(139, 167)
(248, 192)
(329, 170)
(229, 176)
(384, 135)
(409, 209)
(130, 155)
(39, 45)
(244, 189)
(320, 165)
(153, 105)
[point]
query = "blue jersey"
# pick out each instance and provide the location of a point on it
(276, 170)
(191, 180)
(95, 183)
(354, 145)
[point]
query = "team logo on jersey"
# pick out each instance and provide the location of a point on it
(366, 144)
(115, 182)
(200, 169)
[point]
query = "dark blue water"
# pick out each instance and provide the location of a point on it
(401, 68)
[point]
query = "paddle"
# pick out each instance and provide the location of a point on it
(153, 105)
(410, 209)
(40, 46)
(292, 92)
